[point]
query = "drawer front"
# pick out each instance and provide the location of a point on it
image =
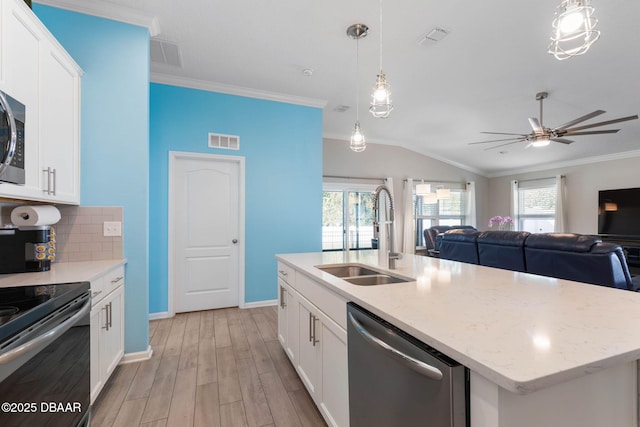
(113, 279)
(97, 290)
(286, 273)
(332, 304)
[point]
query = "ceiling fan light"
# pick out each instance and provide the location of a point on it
(573, 29)
(381, 105)
(541, 141)
(358, 142)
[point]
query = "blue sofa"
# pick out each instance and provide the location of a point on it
(433, 236)
(577, 257)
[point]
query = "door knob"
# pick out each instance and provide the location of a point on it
(234, 241)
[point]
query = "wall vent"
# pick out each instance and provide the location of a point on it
(164, 52)
(227, 142)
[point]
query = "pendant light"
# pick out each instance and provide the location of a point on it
(358, 142)
(381, 105)
(573, 29)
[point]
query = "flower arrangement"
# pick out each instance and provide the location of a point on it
(504, 222)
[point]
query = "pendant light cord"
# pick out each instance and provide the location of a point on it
(357, 78)
(380, 36)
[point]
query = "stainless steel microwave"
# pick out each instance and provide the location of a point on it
(12, 118)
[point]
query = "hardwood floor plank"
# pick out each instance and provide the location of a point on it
(106, 407)
(183, 400)
(221, 329)
(267, 330)
(232, 415)
(160, 336)
(285, 369)
(282, 410)
(228, 382)
(259, 351)
(206, 325)
(144, 378)
(306, 409)
(207, 412)
(173, 346)
(238, 337)
(162, 390)
(130, 413)
(189, 353)
(255, 402)
(157, 423)
(207, 365)
(153, 325)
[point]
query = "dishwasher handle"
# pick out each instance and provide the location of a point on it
(420, 367)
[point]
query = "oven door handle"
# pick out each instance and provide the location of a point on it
(45, 339)
(412, 363)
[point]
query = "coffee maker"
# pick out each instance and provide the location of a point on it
(26, 249)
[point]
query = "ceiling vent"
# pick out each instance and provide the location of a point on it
(164, 52)
(341, 108)
(226, 142)
(433, 36)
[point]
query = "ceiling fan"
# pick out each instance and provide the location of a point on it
(541, 136)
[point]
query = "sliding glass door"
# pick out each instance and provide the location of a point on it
(347, 218)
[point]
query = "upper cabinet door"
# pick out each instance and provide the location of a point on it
(38, 72)
(59, 128)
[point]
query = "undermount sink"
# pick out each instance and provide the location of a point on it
(360, 275)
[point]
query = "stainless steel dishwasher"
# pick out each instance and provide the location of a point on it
(396, 380)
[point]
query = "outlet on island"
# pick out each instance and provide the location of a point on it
(112, 229)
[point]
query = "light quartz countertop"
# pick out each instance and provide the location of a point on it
(521, 331)
(62, 272)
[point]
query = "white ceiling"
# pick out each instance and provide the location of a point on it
(482, 77)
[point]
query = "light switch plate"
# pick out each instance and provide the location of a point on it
(112, 229)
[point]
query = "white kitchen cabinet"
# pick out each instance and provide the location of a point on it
(288, 327)
(38, 72)
(107, 327)
(311, 329)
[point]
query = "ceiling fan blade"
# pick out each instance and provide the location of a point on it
(494, 140)
(593, 125)
(581, 119)
(535, 125)
(508, 143)
(592, 132)
(562, 140)
(505, 133)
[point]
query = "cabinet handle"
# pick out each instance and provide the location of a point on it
(117, 279)
(283, 304)
(310, 327)
(284, 273)
(106, 317)
(95, 294)
(55, 182)
(315, 341)
(111, 315)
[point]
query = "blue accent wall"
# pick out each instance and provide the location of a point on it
(282, 145)
(114, 139)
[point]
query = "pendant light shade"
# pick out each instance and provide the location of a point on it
(443, 193)
(430, 199)
(573, 29)
(381, 105)
(358, 142)
(423, 189)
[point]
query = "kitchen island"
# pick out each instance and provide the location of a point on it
(541, 351)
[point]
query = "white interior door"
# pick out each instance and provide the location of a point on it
(205, 201)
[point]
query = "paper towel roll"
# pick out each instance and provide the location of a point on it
(35, 215)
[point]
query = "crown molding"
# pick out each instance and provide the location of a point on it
(103, 9)
(578, 162)
(235, 90)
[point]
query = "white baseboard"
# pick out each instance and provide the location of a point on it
(266, 303)
(140, 356)
(161, 315)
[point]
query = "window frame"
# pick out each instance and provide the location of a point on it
(437, 218)
(533, 184)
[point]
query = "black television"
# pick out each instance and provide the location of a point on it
(619, 213)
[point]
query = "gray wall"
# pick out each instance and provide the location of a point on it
(582, 185)
(381, 161)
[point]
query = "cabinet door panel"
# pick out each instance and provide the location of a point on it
(308, 355)
(335, 378)
(96, 379)
(113, 337)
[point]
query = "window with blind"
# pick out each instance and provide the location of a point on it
(449, 211)
(535, 208)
